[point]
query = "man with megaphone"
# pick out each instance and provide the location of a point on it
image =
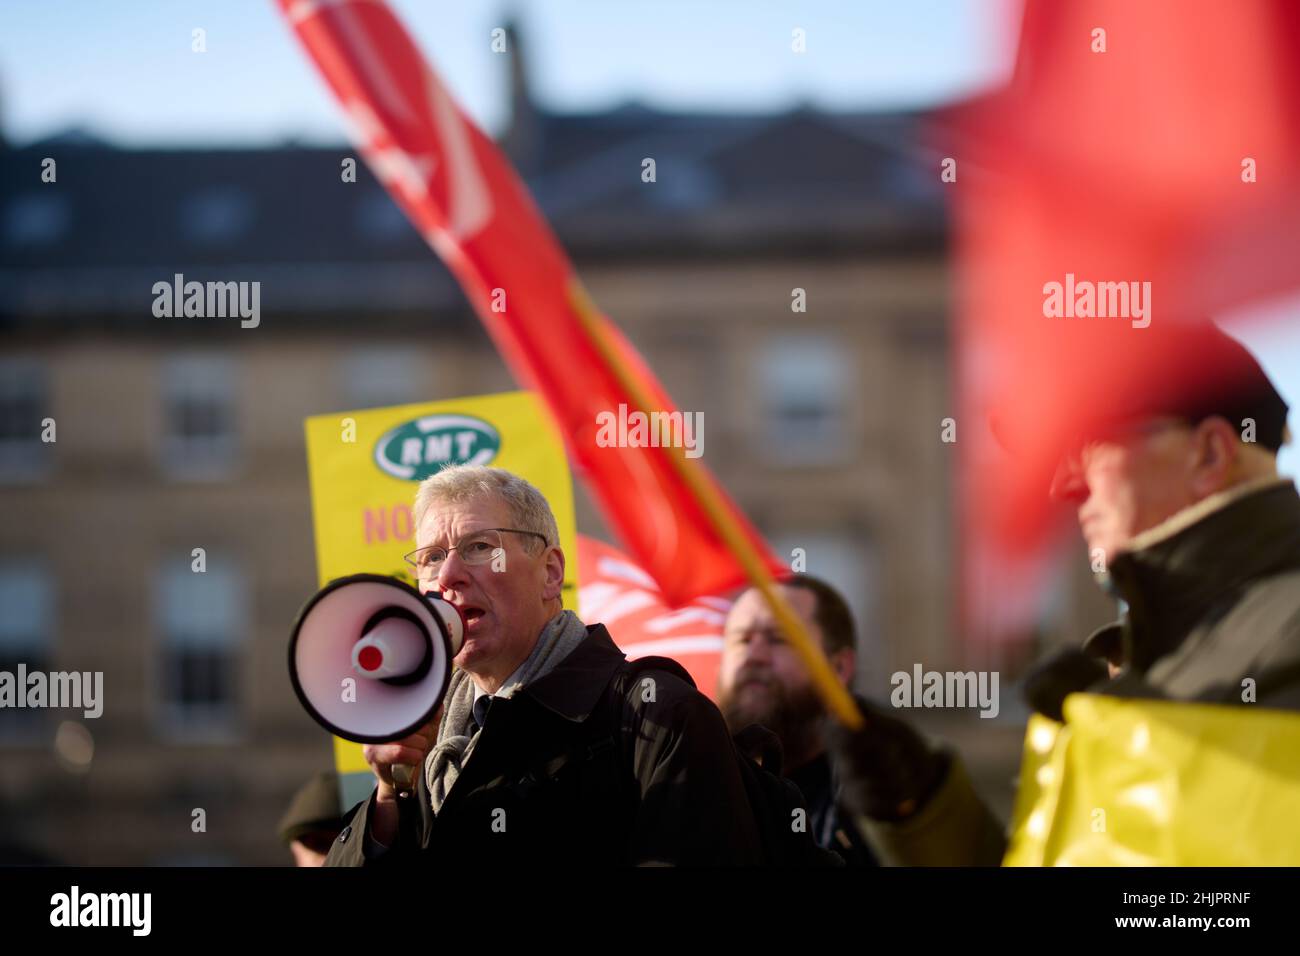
(545, 747)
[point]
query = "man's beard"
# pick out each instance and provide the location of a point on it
(794, 715)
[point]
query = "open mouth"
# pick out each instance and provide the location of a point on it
(472, 615)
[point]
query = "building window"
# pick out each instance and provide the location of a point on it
(199, 440)
(202, 621)
(380, 219)
(378, 377)
(26, 629)
(24, 456)
(804, 384)
(36, 219)
(688, 186)
(218, 215)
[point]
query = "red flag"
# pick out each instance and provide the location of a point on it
(466, 200)
(613, 591)
(1153, 147)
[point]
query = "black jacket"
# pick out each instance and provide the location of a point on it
(832, 828)
(564, 774)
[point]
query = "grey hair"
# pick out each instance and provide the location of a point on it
(455, 484)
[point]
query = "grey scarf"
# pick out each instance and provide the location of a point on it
(561, 635)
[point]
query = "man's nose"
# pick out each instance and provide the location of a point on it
(758, 651)
(1068, 483)
(452, 572)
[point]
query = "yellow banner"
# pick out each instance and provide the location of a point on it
(365, 466)
(1158, 783)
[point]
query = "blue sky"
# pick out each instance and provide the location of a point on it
(124, 70)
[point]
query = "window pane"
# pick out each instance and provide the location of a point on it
(202, 608)
(26, 606)
(804, 383)
(24, 403)
(217, 215)
(36, 219)
(26, 637)
(375, 378)
(201, 678)
(199, 417)
(202, 619)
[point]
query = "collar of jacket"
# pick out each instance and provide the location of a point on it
(1174, 573)
(575, 685)
(1107, 643)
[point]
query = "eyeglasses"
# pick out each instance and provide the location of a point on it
(477, 547)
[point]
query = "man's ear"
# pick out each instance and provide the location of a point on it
(845, 664)
(1215, 446)
(554, 571)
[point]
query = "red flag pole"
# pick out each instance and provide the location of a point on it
(836, 697)
(471, 206)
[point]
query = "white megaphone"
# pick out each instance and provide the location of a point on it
(370, 659)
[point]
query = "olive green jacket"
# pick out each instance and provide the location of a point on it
(1213, 598)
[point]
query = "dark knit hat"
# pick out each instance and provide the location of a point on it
(314, 807)
(1190, 370)
(1233, 384)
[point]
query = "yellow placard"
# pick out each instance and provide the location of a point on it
(364, 468)
(1158, 783)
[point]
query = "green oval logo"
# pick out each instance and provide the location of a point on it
(417, 449)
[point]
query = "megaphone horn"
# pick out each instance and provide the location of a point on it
(370, 657)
